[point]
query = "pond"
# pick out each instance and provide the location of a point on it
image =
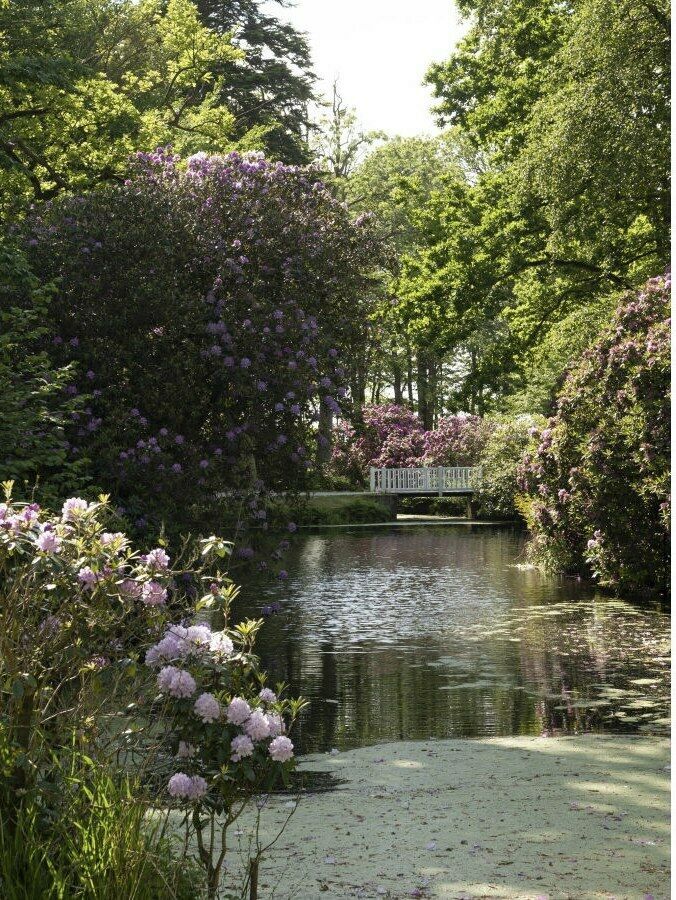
(417, 632)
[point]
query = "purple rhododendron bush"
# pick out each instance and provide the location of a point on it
(210, 305)
(599, 478)
(94, 634)
(393, 436)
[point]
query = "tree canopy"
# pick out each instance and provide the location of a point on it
(568, 107)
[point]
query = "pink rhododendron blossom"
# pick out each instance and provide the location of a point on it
(173, 646)
(281, 749)
(241, 746)
(165, 677)
(153, 594)
(182, 684)
(87, 577)
(73, 508)
(275, 724)
(207, 708)
(198, 788)
(238, 711)
(267, 696)
(130, 588)
(221, 645)
(179, 785)
(49, 542)
(198, 637)
(157, 559)
(257, 726)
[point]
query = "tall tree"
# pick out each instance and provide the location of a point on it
(85, 83)
(270, 88)
(569, 105)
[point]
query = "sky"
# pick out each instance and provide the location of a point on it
(379, 50)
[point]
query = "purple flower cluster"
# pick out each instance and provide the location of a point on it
(238, 326)
(599, 478)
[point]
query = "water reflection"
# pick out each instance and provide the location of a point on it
(413, 633)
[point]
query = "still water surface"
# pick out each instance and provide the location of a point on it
(409, 633)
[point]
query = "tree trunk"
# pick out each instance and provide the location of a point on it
(396, 382)
(433, 399)
(409, 372)
(324, 434)
(424, 406)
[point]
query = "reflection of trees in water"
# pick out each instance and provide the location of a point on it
(397, 688)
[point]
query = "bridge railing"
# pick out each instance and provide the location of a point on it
(433, 479)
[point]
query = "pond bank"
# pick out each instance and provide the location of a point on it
(522, 818)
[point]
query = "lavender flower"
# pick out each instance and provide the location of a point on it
(281, 749)
(238, 711)
(207, 708)
(153, 594)
(257, 726)
(241, 746)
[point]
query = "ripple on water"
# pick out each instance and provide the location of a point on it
(417, 633)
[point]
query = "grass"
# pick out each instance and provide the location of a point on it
(344, 511)
(95, 844)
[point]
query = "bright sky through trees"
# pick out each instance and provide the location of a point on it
(380, 50)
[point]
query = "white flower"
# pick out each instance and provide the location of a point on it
(281, 749)
(221, 645)
(185, 750)
(257, 726)
(267, 696)
(198, 636)
(207, 708)
(73, 508)
(238, 711)
(241, 746)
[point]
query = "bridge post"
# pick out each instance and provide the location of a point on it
(372, 477)
(470, 508)
(440, 480)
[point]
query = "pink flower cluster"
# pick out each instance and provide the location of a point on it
(180, 642)
(185, 787)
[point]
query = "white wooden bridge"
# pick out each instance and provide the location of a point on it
(439, 480)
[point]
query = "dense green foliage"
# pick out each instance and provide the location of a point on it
(501, 457)
(268, 90)
(567, 106)
(599, 479)
(34, 408)
(84, 84)
(90, 839)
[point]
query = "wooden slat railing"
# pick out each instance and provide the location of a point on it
(435, 479)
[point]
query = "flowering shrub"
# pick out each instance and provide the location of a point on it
(456, 441)
(393, 436)
(77, 606)
(204, 301)
(500, 462)
(599, 478)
